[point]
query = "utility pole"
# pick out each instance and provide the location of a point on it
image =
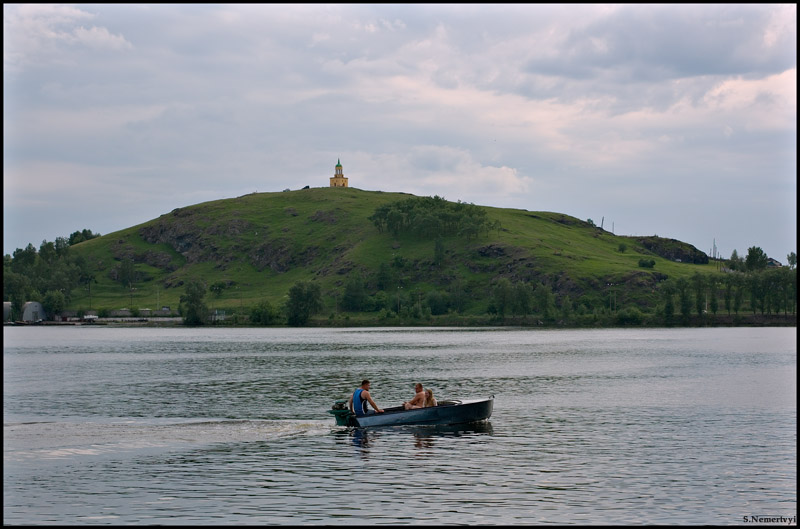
(398, 300)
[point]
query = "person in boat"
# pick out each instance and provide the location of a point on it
(429, 400)
(360, 398)
(419, 398)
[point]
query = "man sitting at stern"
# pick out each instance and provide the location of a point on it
(360, 397)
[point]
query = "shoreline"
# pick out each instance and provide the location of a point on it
(748, 320)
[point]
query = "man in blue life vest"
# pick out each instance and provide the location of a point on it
(359, 399)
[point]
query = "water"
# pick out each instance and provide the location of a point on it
(230, 426)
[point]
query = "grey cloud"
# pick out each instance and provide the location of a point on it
(653, 43)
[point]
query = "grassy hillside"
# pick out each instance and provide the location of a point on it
(258, 245)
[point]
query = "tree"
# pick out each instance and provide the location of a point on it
(384, 278)
(458, 295)
(305, 299)
(784, 288)
(699, 284)
(355, 294)
(432, 217)
(730, 283)
(400, 301)
(195, 311)
(735, 262)
(62, 246)
(85, 275)
(54, 302)
(217, 288)
(629, 316)
(545, 301)
(127, 272)
(438, 252)
(437, 302)
(738, 295)
(756, 259)
(503, 296)
(264, 314)
(777, 294)
(80, 236)
(792, 260)
(23, 260)
(669, 302)
(682, 286)
(47, 252)
(566, 307)
(523, 298)
(469, 228)
(754, 284)
(712, 294)
(17, 290)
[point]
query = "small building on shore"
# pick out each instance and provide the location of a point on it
(33, 311)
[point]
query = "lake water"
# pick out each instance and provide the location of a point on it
(230, 426)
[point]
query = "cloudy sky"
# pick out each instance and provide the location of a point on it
(654, 120)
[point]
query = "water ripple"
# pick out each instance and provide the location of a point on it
(220, 426)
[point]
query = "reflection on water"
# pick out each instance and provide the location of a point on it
(421, 436)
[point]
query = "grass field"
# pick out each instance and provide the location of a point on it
(259, 245)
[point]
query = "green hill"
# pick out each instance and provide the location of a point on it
(255, 247)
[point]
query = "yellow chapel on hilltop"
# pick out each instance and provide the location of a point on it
(338, 179)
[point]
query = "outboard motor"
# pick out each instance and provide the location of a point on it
(343, 416)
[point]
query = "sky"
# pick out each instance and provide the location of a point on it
(677, 121)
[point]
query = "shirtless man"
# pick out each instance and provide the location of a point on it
(419, 399)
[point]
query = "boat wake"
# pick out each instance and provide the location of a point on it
(25, 441)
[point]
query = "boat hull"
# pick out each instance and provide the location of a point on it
(452, 412)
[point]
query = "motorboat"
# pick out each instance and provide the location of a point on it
(445, 412)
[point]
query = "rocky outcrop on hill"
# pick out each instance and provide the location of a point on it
(194, 235)
(280, 255)
(199, 239)
(673, 249)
